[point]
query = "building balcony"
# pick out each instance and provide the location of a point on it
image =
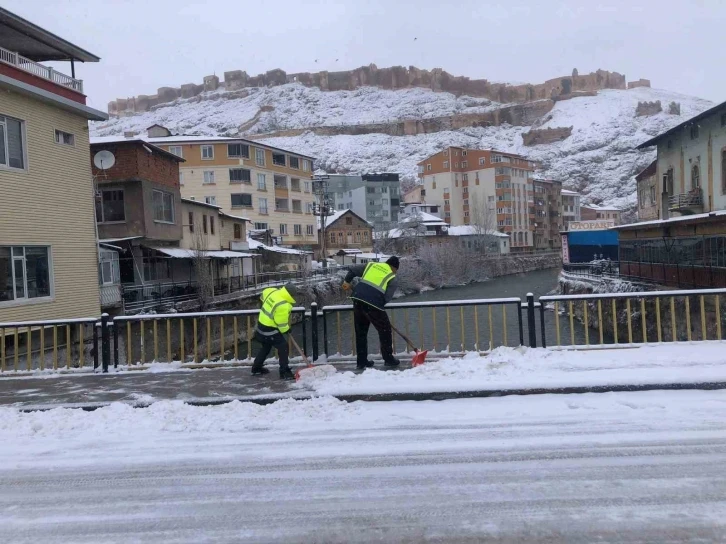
(16, 60)
(687, 203)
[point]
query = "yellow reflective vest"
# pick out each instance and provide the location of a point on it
(371, 288)
(276, 307)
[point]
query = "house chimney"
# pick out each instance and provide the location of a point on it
(129, 134)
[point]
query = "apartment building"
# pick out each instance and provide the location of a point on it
(547, 214)
(270, 186)
(570, 207)
(648, 201)
(48, 250)
(491, 189)
(375, 197)
(600, 213)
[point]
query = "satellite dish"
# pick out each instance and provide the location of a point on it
(103, 160)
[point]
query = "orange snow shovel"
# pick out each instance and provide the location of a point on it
(420, 357)
(311, 371)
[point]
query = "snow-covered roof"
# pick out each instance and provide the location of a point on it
(330, 219)
(425, 218)
(472, 230)
(379, 256)
(200, 203)
(602, 208)
(567, 192)
(237, 217)
(682, 219)
(111, 240)
(254, 244)
(350, 251)
(180, 253)
(288, 250)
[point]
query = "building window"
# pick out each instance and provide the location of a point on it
(237, 231)
(240, 175)
(306, 186)
(24, 273)
(428, 168)
(309, 207)
(209, 176)
(297, 206)
(163, 206)
(64, 138)
(204, 224)
(332, 237)
(297, 230)
(110, 206)
(260, 157)
(260, 226)
(261, 182)
(295, 184)
(211, 224)
(309, 230)
(306, 165)
(211, 200)
(176, 150)
(262, 205)
(279, 159)
(241, 200)
(283, 228)
(235, 151)
(181, 178)
(191, 221)
(446, 164)
(482, 161)
(464, 164)
(295, 163)
(207, 152)
(695, 177)
(12, 143)
(694, 132)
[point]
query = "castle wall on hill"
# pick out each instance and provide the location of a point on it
(393, 78)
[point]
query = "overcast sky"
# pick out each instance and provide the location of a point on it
(147, 44)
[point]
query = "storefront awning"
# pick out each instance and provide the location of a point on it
(179, 253)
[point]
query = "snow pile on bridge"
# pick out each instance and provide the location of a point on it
(524, 368)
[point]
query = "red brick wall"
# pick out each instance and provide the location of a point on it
(133, 161)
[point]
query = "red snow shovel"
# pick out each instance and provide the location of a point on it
(310, 371)
(420, 357)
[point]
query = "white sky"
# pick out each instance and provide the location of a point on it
(147, 44)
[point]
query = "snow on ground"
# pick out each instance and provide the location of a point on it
(525, 368)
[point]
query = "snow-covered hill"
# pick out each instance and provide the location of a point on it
(598, 159)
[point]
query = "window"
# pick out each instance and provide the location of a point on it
(694, 132)
(384, 201)
(241, 200)
(181, 178)
(309, 207)
(240, 175)
(238, 151)
(384, 189)
(64, 138)
(237, 231)
(306, 165)
(482, 161)
(280, 182)
(428, 167)
(260, 157)
(465, 190)
(24, 272)
(110, 206)
(370, 190)
(283, 228)
(207, 152)
(445, 152)
(211, 200)
(297, 206)
(446, 164)
(261, 182)
(463, 153)
(341, 207)
(332, 237)
(191, 221)
(163, 206)
(433, 184)
(279, 159)
(348, 220)
(262, 205)
(695, 177)
(209, 176)
(260, 226)
(295, 163)
(211, 224)
(309, 230)
(12, 143)
(204, 224)
(297, 230)
(464, 177)
(295, 184)
(176, 150)
(456, 164)
(306, 186)
(465, 164)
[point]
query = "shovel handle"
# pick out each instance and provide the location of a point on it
(304, 358)
(406, 338)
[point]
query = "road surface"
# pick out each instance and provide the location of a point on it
(626, 467)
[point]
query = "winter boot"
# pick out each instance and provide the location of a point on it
(391, 362)
(286, 373)
(367, 364)
(259, 370)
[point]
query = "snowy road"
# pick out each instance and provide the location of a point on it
(625, 467)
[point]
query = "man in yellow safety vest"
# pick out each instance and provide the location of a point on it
(375, 288)
(273, 324)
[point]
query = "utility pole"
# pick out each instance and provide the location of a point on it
(322, 209)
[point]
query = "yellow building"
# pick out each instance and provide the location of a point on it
(272, 187)
(48, 250)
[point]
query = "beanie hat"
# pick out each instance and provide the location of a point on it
(291, 289)
(393, 262)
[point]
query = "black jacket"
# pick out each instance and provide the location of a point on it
(368, 294)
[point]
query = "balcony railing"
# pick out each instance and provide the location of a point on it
(693, 199)
(45, 72)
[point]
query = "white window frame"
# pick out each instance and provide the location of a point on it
(211, 200)
(171, 200)
(262, 206)
(258, 225)
(25, 300)
(309, 231)
(306, 186)
(259, 156)
(306, 165)
(181, 178)
(208, 177)
(206, 154)
(297, 229)
(283, 229)
(102, 218)
(23, 143)
(241, 155)
(174, 148)
(60, 138)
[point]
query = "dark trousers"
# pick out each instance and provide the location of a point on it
(276, 340)
(363, 316)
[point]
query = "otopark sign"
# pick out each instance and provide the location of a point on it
(590, 225)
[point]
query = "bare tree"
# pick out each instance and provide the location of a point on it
(483, 218)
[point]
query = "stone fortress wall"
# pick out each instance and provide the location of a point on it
(396, 77)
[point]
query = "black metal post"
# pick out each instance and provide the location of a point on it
(531, 325)
(95, 344)
(325, 334)
(105, 343)
(115, 344)
(519, 322)
(542, 323)
(314, 325)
